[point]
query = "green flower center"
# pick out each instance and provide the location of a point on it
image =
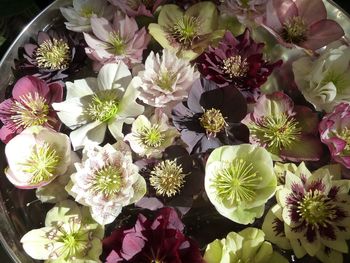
(151, 136)
(166, 80)
(235, 66)
(53, 54)
(276, 132)
(245, 3)
(103, 106)
(87, 12)
(167, 178)
(237, 183)
(186, 30)
(108, 181)
(344, 134)
(31, 110)
(42, 163)
(117, 43)
(212, 121)
(339, 80)
(294, 30)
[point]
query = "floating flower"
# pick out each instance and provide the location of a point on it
(210, 117)
(166, 80)
(106, 181)
(312, 214)
(239, 62)
(36, 157)
(138, 7)
(69, 236)
(248, 245)
(79, 14)
(188, 32)
(301, 23)
(158, 240)
(29, 106)
(93, 104)
(287, 131)
(239, 180)
(325, 82)
(119, 40)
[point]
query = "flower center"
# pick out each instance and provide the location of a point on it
(166, 80)
(103, 107)
(294, 30)
(185, 31)
(53, 54)
(344, 135)
(42, 163)
(235, 66)
(237, 182)
(167, 178)
(276, 132)
(107, 180)
(87, 12)
(31, 110)
(117, 43)
(212, 121)
(151, 136)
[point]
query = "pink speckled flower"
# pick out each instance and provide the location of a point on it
(138, 7)
(121, 40)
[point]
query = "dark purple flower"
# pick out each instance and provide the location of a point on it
(239, 62)
(158, 240)
(211, 117)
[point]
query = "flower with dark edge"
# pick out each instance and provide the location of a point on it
(158, 240)
(239, 180)
(210, 117)
(239, 62)
(29, 106)
(138, 7)
(70, 235)
(312, 214)
(289, 132)
(301, 23)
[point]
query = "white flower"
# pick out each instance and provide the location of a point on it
(92, 105)
(106, 180)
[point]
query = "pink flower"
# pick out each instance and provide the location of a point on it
(335, 133)
(138, 7)
(121, 40)
(30, 105)
(302, 23)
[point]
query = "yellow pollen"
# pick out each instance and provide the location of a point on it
(235, 66)
(212, 121)
(53, 54)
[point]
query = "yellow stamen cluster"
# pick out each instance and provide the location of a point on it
(212, 121)
(53, 54)
(235, 66)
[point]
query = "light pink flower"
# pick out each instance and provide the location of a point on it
(138, 7)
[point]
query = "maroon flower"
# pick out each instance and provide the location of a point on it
(158, 240)
(238, 61)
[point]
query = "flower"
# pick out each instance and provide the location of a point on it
(106, 180)
(44, 154)
(93, 104)
(239, 180)
(188, 32)
(121, 40)
(325, 82)
(312, 214)
(248, 245)
(150, 137)
(239, 62)
(166, 80)
(29, 106)
(138, 7)
(158, 240)
(79, 14)
(335, 133)
(301, 23)
(210, 117)
(287, 131)
(69, 235)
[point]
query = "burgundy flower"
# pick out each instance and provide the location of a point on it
(158, 240)
(238, 61)
(30, 105)
(211, 117)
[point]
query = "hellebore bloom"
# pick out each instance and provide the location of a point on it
(325, 82)
(29, 106)
(301, 23)
(248, 245)
(335, 133)
(79, 14)
(312, 214)
(158, 240)
(166, 80)
(210, 117)
(289, 132)
(93, 104)
(239, 180)
(106, 180)
(36, 157)
(138, 7)
(69, 236)
(239, 62)
(188, 32)
(119, 40)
